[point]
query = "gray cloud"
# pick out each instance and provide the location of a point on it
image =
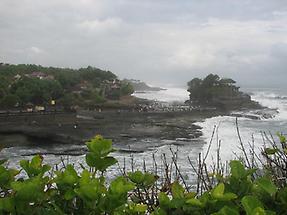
(160, 41)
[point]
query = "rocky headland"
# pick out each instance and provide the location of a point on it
(219, 93)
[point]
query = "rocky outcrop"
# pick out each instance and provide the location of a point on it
(222, 93)
(235, 102)
(121, 127)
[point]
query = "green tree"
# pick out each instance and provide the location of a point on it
(18, 80)
(212, 87)
(4, 86)
(126, 88)
(10, 101)
(36, 91)
(211, 80)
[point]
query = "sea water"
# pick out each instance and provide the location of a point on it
(167, 95)
(223, 132)
(226, 133)
(253, 133)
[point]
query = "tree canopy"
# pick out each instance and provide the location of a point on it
(205, 91)
(22, 84)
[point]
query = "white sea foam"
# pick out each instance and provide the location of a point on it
(168, 95)
(273, 100)
(250, 130)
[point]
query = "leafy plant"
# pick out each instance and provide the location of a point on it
(88, 192)
(99, 150)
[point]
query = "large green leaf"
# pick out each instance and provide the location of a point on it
(68, 177)
(195, 202)
(250, 203)
(99, 163)
(69, 194)
(117, 194)
(100, 146)
(105, 163)
(90, 189)
(259, 211)
(226, 210)
(163, 199)
(227, 197)
(34, 167)
(142, 180)
(267, 185)
(91, 159)
(149, 179)
(140, 208)
(177, 191)
(137, 177)
(218, 193)
(89, 192)
(29, 190)
(120, 186)
(85, 178)
(5, 177)
(237, 169)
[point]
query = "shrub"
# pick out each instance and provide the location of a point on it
(66, 191)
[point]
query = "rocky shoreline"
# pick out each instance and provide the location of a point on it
(125, 126)
(71, 128)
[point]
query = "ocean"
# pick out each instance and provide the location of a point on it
(251, 131)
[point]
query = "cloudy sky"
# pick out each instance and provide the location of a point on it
(158, 41)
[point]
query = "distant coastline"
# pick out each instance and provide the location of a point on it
(142, 87)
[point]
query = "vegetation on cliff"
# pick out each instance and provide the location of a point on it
(21, 85)
(218, 92)
(246, 189)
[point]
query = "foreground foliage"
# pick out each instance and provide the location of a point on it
(45, 191)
